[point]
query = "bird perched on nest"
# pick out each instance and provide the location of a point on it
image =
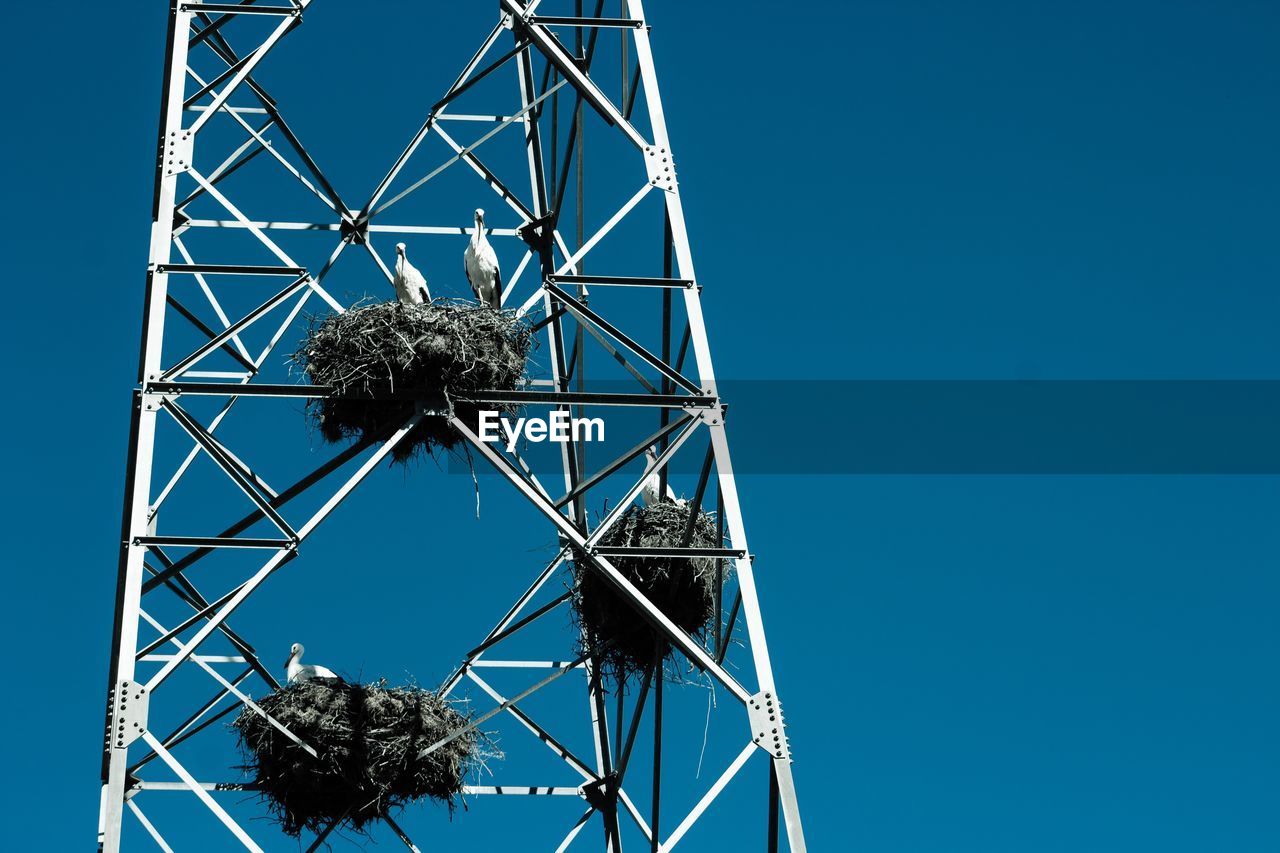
(297, 671)
(481, 265)
(411, 285)
(649, 491)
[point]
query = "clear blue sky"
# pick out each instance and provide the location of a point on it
(990, 190)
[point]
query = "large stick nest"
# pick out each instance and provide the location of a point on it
(438, 351)
(683, 588)
(370, 739)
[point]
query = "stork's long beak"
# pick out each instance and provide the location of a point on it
(288, 661)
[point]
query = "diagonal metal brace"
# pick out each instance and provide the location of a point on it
(651, 613)
(582, 312)
(543, 39)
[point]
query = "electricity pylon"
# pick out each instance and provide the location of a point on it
(201, 355)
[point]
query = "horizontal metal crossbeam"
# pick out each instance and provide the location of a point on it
(213, 542)
(576, 398)
(523, 790)
(229, 269)
(641, 551)
(571, 21)
(589, 398)
(622, 281)
(240, 9)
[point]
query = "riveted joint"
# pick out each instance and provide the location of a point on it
(661, 166)
(354, 232)
(768, 730)
(153, 402)
(602, 793)
(127, 721)
(176, 154)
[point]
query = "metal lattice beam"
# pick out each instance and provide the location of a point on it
(684, 400)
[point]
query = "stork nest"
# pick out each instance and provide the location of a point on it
(381, 359)
(370, 740)
(683, 588)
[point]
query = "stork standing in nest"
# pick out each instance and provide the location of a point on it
(411, 285)
(297, 671)
(481, 265)
(650, 492)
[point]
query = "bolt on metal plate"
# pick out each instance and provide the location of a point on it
(768, 730)
(661, 166)
(129, 705)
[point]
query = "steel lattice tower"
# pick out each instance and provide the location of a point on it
(182, 405)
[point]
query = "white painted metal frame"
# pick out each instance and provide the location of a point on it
(200, 26)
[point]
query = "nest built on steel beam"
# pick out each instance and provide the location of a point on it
(229, 289)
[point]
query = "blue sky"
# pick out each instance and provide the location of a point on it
(874, 191)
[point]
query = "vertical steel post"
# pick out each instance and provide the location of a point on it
(772, 829)
(667, 385)
(724, 466)
(571, 452)
(655, 823)
(142, 433)
(579, 342)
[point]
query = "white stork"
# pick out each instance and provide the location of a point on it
(649, 491)
(411, 285)
(481, 265)
(297, 671)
